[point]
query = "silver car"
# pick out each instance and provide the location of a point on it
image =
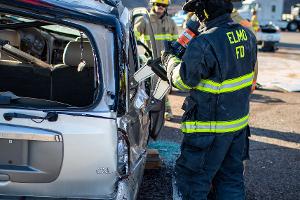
(71, 123)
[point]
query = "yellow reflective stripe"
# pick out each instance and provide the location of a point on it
(176, 79)
(235, 80)
(210, 86)
(175, 37)
(235, 88)
(160, 37)
(146, 37)
(214, 126)
(137, 34)
(180, 84)
(206, 89)
(210, 82)
(230, 85)
(175, 60)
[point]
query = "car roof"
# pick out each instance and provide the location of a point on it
(85, 8)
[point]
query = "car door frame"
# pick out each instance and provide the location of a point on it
(156, 117)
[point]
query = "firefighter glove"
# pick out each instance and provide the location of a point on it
(169, 62)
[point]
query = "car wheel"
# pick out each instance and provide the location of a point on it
(292, 26)
(268, 46)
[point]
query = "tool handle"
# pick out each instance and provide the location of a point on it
(157, 69)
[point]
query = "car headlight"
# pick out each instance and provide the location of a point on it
(123, 153)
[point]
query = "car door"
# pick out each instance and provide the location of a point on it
(134, 120)
(157, 115)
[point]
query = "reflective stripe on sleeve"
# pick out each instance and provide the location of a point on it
(176, 79)
(146, 37)
(175, 37)
(137, 34)
(160, 37)
(177, 82)
(214, 126)
(180, 85)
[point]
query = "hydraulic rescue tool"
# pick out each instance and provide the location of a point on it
(154, 66)
(188, 34)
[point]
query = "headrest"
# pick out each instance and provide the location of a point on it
(78, 39)
(72, 54)
(12, 36)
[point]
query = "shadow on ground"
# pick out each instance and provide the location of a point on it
(289, 45)
(274, 168)
(259, 98)
(272, 173)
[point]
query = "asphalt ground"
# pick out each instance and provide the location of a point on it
(290, 40)
(273, 171)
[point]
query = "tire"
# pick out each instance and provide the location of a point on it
(268, 46)
(292, 26)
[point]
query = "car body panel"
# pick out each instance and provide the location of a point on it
(83, 158)
(272, 37)
(89, 136)
(180, 17)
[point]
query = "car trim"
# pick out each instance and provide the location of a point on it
(87, 32)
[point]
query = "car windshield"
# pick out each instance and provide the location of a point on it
(249, 7)
(45, 63)
(181, 12)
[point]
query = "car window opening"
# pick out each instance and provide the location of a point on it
(47, 64)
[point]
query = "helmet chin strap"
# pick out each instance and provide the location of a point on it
(201, 14)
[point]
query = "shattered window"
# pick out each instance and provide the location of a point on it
(44, 64)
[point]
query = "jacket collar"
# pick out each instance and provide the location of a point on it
(217, 22)
(154, 16)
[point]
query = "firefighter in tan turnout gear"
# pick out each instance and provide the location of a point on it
(164, 29)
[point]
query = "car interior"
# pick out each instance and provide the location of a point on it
(45, 62)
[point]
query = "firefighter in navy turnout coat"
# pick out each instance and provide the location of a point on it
(217, 69)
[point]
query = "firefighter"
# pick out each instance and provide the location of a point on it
(217, 69)
(238, 19)
(164, 29)
(254, 21)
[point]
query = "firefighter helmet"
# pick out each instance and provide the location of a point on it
(208, 9)
(165, 2)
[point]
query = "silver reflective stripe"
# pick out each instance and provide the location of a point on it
(229, 85)
(160, 37)
(188, 36)
(176, 80)
(214, 126)
(237, 84)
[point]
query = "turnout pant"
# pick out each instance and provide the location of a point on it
(211, 157)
